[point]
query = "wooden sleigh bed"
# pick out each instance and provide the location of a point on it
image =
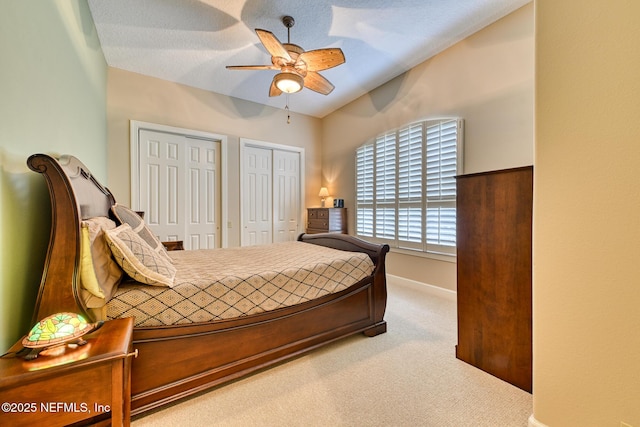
(178, 360)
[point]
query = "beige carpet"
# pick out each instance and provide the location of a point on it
(406, 377)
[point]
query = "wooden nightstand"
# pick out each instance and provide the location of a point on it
(174, 245)
(327, 220)
(90, 383)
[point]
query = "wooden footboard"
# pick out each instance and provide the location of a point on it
(377, 253)
(180, 360)
(177, 361)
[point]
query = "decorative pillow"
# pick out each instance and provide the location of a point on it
(91, 301)
(88, 278)
(107, 272)
(127, 216)
(138, 259)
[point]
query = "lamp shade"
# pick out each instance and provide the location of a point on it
(324, 192)
(289, 82)
(51, 332)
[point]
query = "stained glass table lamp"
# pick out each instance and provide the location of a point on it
(54, 332)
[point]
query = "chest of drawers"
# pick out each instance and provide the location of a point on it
(327, 220)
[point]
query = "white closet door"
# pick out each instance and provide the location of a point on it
(271, 193)
(202, 215)
(257, 197)
(162, 183)
(180, 188)
(286, 195)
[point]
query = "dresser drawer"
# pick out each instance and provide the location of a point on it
(318, 213)
(319, 224)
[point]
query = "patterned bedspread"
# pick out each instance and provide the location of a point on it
(225, 283)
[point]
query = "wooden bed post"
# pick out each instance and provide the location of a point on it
(379, 294)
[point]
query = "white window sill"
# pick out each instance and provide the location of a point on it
(431, 255)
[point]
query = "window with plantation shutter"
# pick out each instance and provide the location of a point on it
(406, 189)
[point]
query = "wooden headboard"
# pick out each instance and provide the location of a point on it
(75, 195)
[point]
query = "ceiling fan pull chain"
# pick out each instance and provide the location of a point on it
(286, 107)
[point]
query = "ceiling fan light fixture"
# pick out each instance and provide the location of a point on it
(298, 68)
(288, 82)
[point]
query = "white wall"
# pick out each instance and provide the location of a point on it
(586, 274)
(487, 79)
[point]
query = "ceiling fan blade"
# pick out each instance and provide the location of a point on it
(318, 83)
(252, 67)
(322, 59)
(273, 90)
(272, 44)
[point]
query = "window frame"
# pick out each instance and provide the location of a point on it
(403, 208)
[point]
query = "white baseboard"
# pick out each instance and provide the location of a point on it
(535, 423)
(436, 290)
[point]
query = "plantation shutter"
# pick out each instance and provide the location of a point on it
(410, 186)
(406, 189)
(385, 184)
(441, 154)
(364, 190)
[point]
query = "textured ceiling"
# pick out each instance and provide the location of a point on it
(191, 41)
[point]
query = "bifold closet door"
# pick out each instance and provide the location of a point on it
(286, 195)
(179, 188)
(257, 196)
(202, 206)
(271, 195)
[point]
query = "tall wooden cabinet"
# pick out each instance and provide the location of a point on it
(494, 236)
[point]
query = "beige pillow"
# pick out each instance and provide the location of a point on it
(88, 278)
(107, 272)
(138, 259)
(127, 216)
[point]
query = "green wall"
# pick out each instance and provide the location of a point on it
(53, 82)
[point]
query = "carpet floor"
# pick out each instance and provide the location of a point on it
(408, 376)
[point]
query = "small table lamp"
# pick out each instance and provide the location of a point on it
(324, 193)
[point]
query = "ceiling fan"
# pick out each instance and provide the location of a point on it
(298, 68)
